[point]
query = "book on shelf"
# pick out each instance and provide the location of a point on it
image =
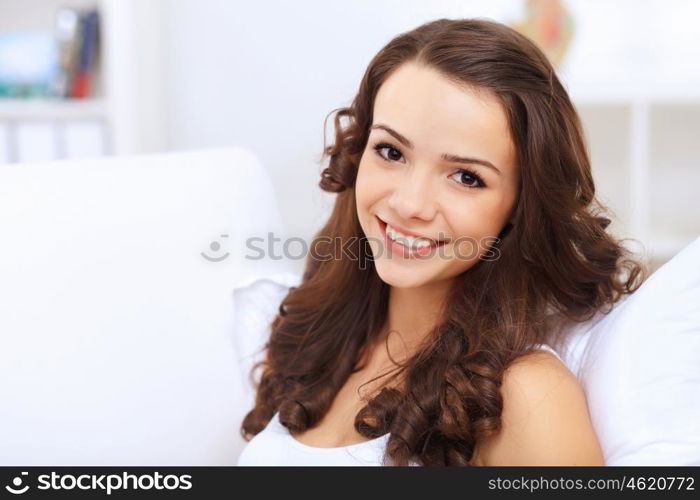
(67, 40)
(78, 35)
(87, 55)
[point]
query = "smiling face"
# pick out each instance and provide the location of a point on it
(410, 177)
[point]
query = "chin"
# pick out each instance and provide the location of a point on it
(401, 278)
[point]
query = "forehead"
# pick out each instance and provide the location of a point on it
(439, 115)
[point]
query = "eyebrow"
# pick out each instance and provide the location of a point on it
(447, 157)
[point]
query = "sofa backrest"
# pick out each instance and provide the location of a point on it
(116, 310)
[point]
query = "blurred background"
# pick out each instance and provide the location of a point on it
(82, 78)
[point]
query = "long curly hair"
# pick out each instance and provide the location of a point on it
(557, 265)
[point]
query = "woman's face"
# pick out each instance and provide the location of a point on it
(409, 176)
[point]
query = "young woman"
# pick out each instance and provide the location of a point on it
(465, 194)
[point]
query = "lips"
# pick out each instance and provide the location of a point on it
(411, 233)
(400, 249)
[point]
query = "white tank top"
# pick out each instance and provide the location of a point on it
(274, 445)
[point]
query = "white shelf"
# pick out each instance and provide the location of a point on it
(52, 109)
(130, 101)
(644, 157)
(594, 93)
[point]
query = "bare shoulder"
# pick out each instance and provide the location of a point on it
(545, 418)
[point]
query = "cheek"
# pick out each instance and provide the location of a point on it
(360, 189)
(366, 186)
(473, 220)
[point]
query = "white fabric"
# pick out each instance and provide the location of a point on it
(275, 446)
(640, 368)
(115, 333)
(255, 306)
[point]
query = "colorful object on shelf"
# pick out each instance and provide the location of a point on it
(77, 34)
(67, 37)
(27, 64)
(45, 64)
(87, 56)
(549, 24)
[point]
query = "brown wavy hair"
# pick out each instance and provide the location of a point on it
(557, 264)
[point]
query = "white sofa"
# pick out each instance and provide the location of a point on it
(125, 337)
(116, 334)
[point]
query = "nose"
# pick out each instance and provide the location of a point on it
(413, 197)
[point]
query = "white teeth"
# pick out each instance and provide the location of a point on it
(404, 239)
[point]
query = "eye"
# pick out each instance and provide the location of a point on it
(382, 146)
(469, 179)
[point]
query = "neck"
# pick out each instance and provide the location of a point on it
(412, 314)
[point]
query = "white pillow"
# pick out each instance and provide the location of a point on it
(639, 365)
(255, 305)
(640, 368)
